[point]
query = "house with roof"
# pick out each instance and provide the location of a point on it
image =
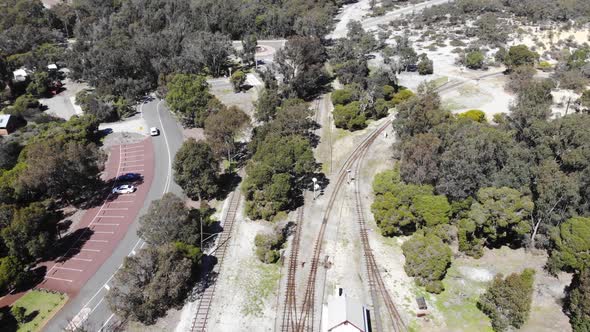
(8, 124)
(20, 75)
(345, 314)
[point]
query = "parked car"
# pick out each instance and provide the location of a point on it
(154, 131)
(124, 189)
(129, 177)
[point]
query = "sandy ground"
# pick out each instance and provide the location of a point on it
(542, 41)
(62, 105)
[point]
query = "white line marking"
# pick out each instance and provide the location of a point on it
(99, 232)
(82, 259)
(99, 241)
(134, 154)
(131, 162)
(132, 148)
(131, 169)
(120, 202)
(116, 209)
(104, 224)
(60, 279)
(169, 175)
(68, 269)
(91, 250)
(105, 323)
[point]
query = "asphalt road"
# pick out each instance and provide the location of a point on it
(90, 306)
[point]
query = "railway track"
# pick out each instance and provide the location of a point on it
(199, 323)
(377, 287)
(289, 321)
(307, 317)
(450, 85)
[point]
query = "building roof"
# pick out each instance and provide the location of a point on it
(20, 74)
(4, 118)
(344, 310)
(52, 66)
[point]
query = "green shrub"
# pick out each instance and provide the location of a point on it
(474, 115)
(457, 43)
(237, 80)
(349, 116)
(508, 301)
(572, 245)
(474, 60)
(402, 96)
(342, 97)
(578, 302)
(545, 66)
(388, 92)
(425, 66)
(268, 246)
(427, 260)
(432, 210)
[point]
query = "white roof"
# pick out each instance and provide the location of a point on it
(52, 66)
(345, 311)
(4, 120)
(20, 72)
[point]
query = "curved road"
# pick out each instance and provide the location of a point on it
(89, 308)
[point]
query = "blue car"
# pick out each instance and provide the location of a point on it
(129, 177)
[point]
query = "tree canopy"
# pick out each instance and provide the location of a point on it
(508, 301)
(195, 169)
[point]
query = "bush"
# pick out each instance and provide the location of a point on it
(427, 259)
(572, 245)
(520, 55)
(432, 210)
(388, 92)
(342, 97)
(349, 116)
(508, 301)
(268, 246)
(545, 66)
(425, 66)
(473, 115)
(402, 96)
(237, 80)
(577, 302)
(474, 60)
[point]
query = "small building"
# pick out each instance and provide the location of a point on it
(52, 67)
(20, 75)
(344, 314)
(8, 124)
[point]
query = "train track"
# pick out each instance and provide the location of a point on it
(307, 316)
(199, 322)
(289, 322)
(450, 85)
(376, 285)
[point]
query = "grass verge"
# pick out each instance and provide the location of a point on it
(40, 307)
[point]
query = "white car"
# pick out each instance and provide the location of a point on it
(154, 131)
(124, 189)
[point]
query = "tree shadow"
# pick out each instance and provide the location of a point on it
(31, 316)
(203, 277)
(34, 277)
(65, 248)
(228, 182)
(7, 321)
